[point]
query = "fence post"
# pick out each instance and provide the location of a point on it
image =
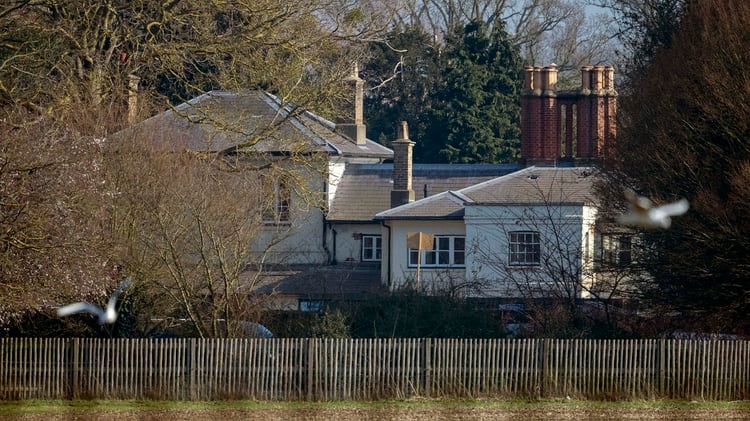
(192, 367)
(662, 367)
(544, 387)
(427, 366)
(309, 359)
(75, 391)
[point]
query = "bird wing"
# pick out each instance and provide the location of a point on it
(638, 203)
(116, 294)
(79, 308)
(674, 209)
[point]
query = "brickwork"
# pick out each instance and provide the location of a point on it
(402, 192)
(575, 125)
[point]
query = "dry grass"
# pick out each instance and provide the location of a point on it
(416, 410)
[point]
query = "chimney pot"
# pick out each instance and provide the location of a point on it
(528, 78)
(609, 78)
(402, 131)
(586, 79)
(549, 79)
(597, 80)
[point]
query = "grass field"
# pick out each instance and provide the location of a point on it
(417, 409)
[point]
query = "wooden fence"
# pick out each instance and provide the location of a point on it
(366, 369)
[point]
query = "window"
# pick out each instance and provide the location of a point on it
(615, 250)
(524, 248)
(311, 305)
(277, 210)
(447, 251)
(371, 248)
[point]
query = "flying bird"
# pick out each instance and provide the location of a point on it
(644, 214)
(108, 315)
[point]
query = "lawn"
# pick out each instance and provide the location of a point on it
(415, 409)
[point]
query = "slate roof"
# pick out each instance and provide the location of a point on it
(527, 186)
(219, 121)
(320, 282)
(365, 189)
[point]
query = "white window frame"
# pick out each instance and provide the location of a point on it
(444, 253)
(524, 248)
(375, 249)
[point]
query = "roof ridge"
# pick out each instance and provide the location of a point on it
(415, 203)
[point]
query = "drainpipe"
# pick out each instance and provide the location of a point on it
(333, 261)
(389, 252)
(326, 225)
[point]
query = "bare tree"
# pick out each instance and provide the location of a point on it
(546, 31)
(548, 253)
(63, 56)
(55, 245)
(66, 77)
(683, 131)
(197, 229)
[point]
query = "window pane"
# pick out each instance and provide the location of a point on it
(412, 257)
(524, 248)
(448, 251)
(371, 247)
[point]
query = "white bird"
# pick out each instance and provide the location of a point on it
(644, 214)
(108, 315)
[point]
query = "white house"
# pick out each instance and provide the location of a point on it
(519, 235)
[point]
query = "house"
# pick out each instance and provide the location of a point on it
(529, 233)
(517, 235)
(256, 128)
(479, 215)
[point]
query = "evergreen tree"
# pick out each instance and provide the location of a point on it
(476, 117)
(462, 102)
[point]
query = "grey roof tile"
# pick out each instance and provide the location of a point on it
(365, 189)
(529, 185)
(219, 121)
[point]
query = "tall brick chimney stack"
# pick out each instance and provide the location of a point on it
(354, 128)
(567, 126)
(402, 192)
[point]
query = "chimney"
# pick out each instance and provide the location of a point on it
(133, 81)
(597, 111)
(402, 192)
(581, 120)
(355, 128)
